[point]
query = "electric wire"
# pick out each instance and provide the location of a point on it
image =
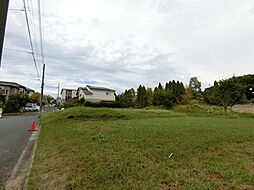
(40, 28)
(30, 39)
(34, 27)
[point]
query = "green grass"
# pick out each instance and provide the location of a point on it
(101, 148)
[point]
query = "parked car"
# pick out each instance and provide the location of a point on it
(30, 107)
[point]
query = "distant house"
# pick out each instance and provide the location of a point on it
(11, 88)
(67, 94)
(96, 94)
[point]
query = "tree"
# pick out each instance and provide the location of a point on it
(187, 97)
(35, 98)
(15, 102)
(194, 84)
(141, 97)
(2, 100)
(149, 94)
(127, 99)
(227, 93)
(159, 95)
(48, 99)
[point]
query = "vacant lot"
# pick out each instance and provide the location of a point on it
(88, 148)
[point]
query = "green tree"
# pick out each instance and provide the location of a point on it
(149, 93)
(227, 93)
(187, 97)
(159, 95)
(141, 97)
(16, 102)
(127, 99)
(194, 84)
(2, 100)
(48, 99)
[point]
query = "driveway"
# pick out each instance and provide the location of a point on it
(14, 136)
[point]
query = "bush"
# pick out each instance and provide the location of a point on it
(16, 102)
(76, 102)
(104, 104)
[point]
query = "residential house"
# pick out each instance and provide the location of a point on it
(96, 94)
(67, 94)
(11, 88)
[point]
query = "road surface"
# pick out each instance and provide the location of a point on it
(14, 136)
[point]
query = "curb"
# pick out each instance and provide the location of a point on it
(19, 176)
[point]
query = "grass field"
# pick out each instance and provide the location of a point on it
(88, 148)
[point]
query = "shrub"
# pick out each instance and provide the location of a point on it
(16, 102)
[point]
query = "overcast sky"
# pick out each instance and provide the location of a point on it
(123, 43)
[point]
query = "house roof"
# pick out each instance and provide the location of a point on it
(85, 90)
(15, 85)
(12, 84)
(99, 88)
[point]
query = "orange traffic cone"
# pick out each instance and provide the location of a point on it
(32, 127)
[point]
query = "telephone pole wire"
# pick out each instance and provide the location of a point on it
(3, 17)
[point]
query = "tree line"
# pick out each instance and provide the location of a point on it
(223, 93)
(168, 95)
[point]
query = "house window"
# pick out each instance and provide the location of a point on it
(108, 93)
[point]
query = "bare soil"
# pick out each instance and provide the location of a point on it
(244, 108)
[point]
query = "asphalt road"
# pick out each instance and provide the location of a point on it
(14, 136)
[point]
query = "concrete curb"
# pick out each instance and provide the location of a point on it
(19, 176)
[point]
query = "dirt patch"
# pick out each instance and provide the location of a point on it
(252, 168)
(243, 108)
(245, 187)
(108, 127)
(194, 173)
(164, 186)
(215, 175)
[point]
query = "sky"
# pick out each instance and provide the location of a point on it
(121, 44)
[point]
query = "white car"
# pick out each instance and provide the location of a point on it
(32, 107)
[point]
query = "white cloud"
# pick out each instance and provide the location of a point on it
(122, 44)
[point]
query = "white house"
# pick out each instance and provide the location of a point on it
(67, 94)
(96, 94)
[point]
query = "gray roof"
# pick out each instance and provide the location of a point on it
(85, 91)
(12, 84)
(15, 85)
(99, 88)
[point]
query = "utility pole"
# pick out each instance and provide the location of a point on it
(3, 17)
(42, 87)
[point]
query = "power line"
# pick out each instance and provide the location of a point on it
(40, 27)
(30, 39)
(34, 27)
(19, 50)
(24, 61)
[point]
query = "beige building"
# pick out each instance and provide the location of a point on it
(96, 94)
(67, 94)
